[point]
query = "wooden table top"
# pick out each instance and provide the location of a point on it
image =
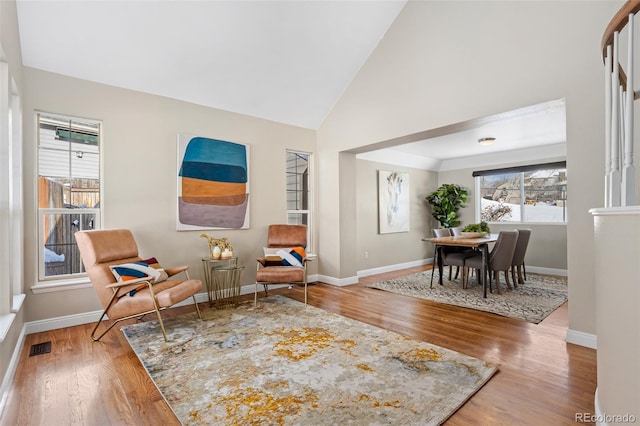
(464, 242)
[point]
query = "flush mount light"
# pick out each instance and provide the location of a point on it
(486, 141)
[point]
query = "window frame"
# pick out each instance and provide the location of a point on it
(309, 210)
(70, 280)
(12, 293)
(513, 170)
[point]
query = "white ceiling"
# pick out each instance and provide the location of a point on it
(286, 61)
(529, 133)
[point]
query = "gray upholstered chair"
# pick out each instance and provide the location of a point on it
(517, 263)
(453, 256)
(273, 271)
(133, 298)
(499, 258)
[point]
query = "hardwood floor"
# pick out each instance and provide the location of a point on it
(541, 380)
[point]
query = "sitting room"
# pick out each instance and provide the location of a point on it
(176, 120)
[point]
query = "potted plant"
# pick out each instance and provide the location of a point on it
(445, 203)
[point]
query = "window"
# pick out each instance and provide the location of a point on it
(299, 194)
(528, 194)
(68, 190)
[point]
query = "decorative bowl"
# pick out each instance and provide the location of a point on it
(472, 234)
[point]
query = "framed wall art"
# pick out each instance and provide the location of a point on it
(213, 184)
(393, 202)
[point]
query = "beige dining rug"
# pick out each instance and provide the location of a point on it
(532, 301)
(286, 363)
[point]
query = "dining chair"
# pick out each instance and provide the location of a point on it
(441, 252)
(499, 258)
(517, 263)
(454, 256)
(456, 231)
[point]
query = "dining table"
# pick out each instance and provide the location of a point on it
(479, 243)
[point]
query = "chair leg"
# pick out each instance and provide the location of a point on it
(457, 272)
(450, 268)
(507, 280)
(255, 296)
(496, 275)
(93, 332)
(524, 271)
(520, 279)
(195, 302)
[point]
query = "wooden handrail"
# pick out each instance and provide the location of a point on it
(618, 22)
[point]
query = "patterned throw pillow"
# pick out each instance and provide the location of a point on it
(293, 257)
(141, 269)
(289, 256)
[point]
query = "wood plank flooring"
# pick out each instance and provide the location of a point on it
(541, 380)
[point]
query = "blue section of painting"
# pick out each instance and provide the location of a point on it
(213, 172)
(205, 150)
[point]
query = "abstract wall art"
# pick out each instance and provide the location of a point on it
(213, 184)
(393, 202)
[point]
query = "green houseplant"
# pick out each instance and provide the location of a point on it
(445, 203)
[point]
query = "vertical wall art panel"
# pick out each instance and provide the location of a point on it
(393, 202)
(213, 184)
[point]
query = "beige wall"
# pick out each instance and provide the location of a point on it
(397, 248)
(443, 63)
(140, 169)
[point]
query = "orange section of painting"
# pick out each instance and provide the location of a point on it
(206, 188)
(232, 200)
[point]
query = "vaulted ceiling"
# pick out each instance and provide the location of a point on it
(286, 61)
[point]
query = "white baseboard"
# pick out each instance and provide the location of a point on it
(547, 271)
(12, 367)
(391, 268)
(581, 338)
(337, 281)
(61, 322)
(89, 317)
(598, 410)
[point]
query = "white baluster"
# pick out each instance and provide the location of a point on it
(614, 176)
(607, 128)
(628, 171)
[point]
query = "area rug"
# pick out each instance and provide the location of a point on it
(286, 363)
(532, 301)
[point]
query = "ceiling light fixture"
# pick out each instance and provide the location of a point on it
(486, 141)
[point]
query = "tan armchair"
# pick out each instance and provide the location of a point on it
(101, 249)
(272, 271)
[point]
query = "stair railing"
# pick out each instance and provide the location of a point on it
(620, 178)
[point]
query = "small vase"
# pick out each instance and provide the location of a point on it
(215, 254)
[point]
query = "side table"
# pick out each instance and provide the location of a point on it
(223, 281)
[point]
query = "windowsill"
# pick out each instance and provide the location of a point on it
(311, 256)
(5, 325)
(7, 320)
(17, 302)
(61, 285)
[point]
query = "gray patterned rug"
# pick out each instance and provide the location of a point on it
(284, 363)
(532, 301)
